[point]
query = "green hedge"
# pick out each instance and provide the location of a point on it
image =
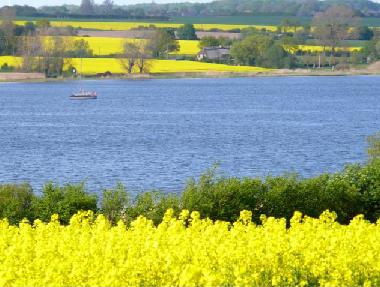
(353, 191)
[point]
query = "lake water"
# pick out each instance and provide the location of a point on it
(158, 133)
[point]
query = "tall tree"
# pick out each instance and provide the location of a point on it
(7, 27)
(108, 7)
(251, 50)
(187, 32)
(135, 54)
(30, 47)
(333, 26)
(87, 7)
(161, 43)
(129, 57)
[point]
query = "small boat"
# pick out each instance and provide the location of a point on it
(84, 95)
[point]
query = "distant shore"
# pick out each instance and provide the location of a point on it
(39, 77)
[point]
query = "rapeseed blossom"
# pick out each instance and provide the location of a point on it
(190, 251)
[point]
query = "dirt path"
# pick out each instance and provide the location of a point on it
(4, 77)
(145, 34)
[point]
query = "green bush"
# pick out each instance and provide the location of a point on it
(223, 198)
(355, 190)
(6, 68)
(16, 202)
(374, 146)
(64, 201)
(114, 203)
(367, 180)
(152, 205)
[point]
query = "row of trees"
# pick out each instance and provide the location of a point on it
(296, 8)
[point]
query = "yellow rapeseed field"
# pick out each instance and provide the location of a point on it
(101, 65)
(106, 46)
(93, 66)
(189, 251)
(103, 46)
(11, 61)
(315, 48)
(188, 47)
(118, 26)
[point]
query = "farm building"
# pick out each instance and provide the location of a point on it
(213, 53)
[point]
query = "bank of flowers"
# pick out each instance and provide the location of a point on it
(190, 251)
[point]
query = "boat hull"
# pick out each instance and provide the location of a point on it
(73, 97)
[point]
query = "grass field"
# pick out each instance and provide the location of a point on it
(93, 66)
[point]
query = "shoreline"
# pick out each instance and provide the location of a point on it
(15, 77)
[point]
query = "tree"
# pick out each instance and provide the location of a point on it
(114, 203)
(371, 51)
(250, 50)
(276, 57)
(79, 49)
(53, 54)
(29, 28)
(7, 26)
(64, 201)
(129, 57)
(107, 7)
(162, 42)
(143, 56)
(285, 25)
(30, 49)
(187, 32)
(16, 202)
(333, 26)
(210, 41)
(87, 7)
(135, 54)
(374, 146)
(364, 33)
(43, 24)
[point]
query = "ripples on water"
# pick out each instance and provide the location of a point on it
(158, 133)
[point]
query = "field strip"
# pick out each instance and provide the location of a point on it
(92, 66)
(134, 25)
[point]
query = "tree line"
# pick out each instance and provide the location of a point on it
(109, 9)
(353, 191)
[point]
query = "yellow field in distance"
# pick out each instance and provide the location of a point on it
(103, 46)
(315, 48)
(119, 26)
(93, 66)
(320, 48)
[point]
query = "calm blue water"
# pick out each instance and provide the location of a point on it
(158, 133)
